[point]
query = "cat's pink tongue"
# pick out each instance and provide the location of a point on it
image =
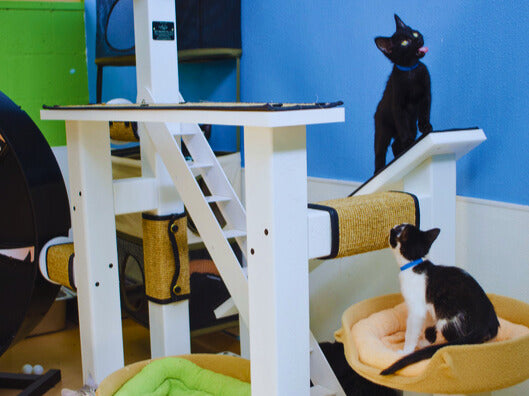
(422, 50)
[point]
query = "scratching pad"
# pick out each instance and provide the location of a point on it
(372, 331)
(59, 262)
(221, 106)
(362, 223)
(166, 258)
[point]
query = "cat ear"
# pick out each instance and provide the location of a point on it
(399, 23)
(383, 44)
(432, 234)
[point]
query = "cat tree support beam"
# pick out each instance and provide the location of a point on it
(428, 170)
(157, 80)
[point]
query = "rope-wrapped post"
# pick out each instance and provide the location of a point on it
(362, 223)
(166, 258)
(59, 264)
(124, 131)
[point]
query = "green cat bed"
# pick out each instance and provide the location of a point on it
(195, 374)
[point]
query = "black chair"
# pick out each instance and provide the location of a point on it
(207, 30)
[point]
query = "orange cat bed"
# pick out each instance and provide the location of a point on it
(373, 330)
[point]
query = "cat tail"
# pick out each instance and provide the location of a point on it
(428, 352)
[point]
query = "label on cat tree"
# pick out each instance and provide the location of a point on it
(163, 30)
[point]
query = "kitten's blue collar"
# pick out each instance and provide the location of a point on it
(407, 68)
(411, 264)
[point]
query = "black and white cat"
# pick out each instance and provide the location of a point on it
(407, 98)
(461, 310)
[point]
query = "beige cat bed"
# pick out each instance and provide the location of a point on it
(373, 330)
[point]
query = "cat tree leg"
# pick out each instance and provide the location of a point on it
(434, 183)
(169, 323)
(276, 207)
(158, 81)
(244, 339)
(96, 269)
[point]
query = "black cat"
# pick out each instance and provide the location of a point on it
(460, 308)
(406, 98)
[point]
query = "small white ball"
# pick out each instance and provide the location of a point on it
(27, 369)
(38, 369)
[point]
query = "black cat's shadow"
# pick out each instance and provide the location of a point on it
(352, 383)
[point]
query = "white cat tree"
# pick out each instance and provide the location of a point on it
(273, 301)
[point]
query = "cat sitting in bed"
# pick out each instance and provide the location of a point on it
(461, 310)
(406, 99)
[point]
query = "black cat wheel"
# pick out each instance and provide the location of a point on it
(33, 209)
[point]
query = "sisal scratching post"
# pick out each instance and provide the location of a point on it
(59, 263)
(124, 131)
(166, 258)
(361, 224)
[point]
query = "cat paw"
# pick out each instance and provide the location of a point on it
(423, 344)
(405, 351)
(425, 127)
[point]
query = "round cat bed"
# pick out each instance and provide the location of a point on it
(232, 366)
(454, 369)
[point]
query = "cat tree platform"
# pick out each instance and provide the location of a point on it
(460, 369)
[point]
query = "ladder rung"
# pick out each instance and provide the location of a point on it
(186, 132)
(233, 233)
(198, 165)
(216, 198)
(318, 390)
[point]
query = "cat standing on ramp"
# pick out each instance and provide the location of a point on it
(407, 98)
(461, 310)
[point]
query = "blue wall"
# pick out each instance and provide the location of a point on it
(324, 51)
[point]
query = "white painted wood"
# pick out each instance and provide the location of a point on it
(318, 390)
(227, 308)
(166, 319)
(434, 144)
(492, 243)
(43, 255)
(435, 181)
(202, 215)
(174, 315)
(156, 60)
(151, 167)
(135, 195)
(217, 182)
(96, 269)
(216, 117)
(319, 236)
(276, 196)
(244, 340)
(157, 77)
(321, 373)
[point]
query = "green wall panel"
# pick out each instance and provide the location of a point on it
(43, 58)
